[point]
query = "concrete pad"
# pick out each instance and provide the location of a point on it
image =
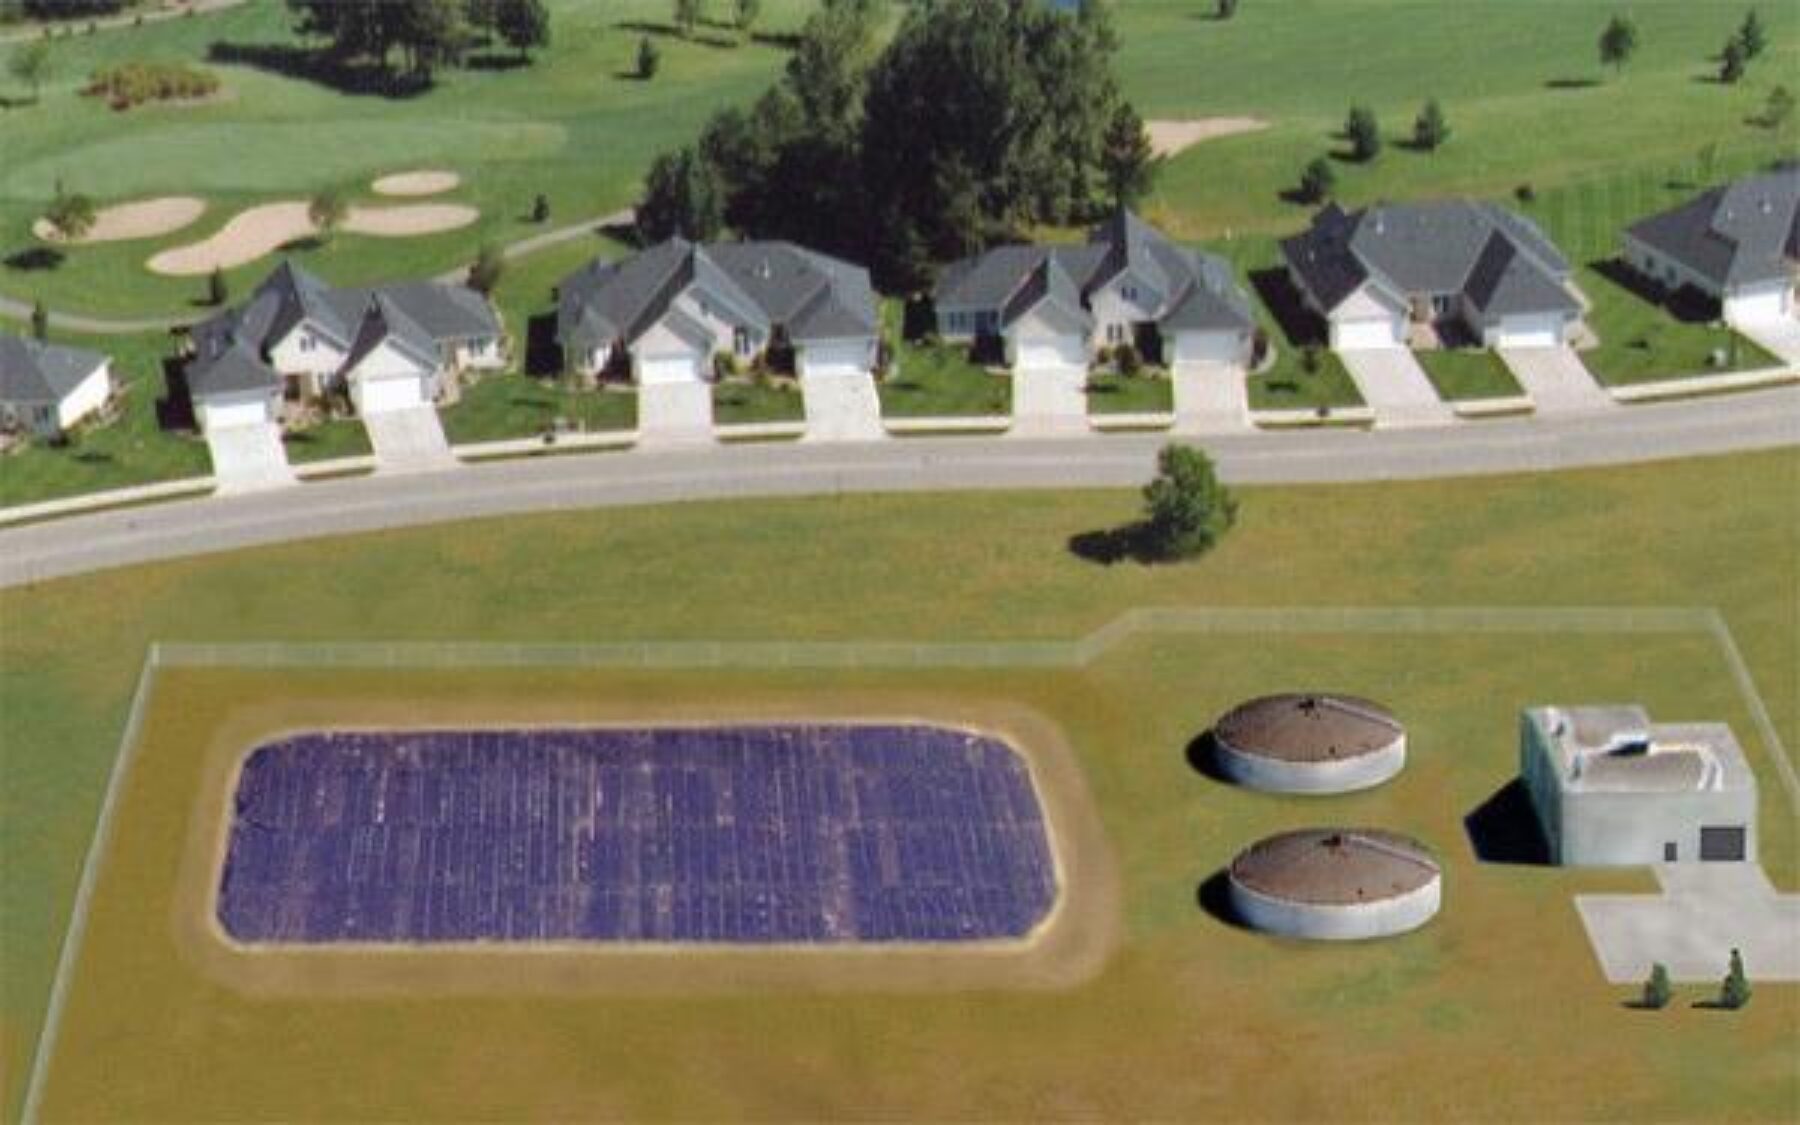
(842, 408)
(408, 440)
(1396, 388)
(1779, 336)
(1704, 912)
(675, 413)
(249, 457)
(1049, 400)
(1210, 398)
(1556, 379)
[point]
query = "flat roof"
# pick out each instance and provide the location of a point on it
(1616, 748)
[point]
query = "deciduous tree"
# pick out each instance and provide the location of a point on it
(327, 210)
(31, 63)
(681, 197)
(1187, 508)
(648, 58)
(71, 213)
(1617, 42)
(524, 24)
(1731, 63)
(1317, 180)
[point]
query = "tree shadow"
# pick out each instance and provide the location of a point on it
(626, 232)
(1108, 546)
(1708, 80)
(1638, 1004)
(670, 31)
(1213, 896)
(94, 457)
(1203, 758)
(33, 259)
(783, 40)
(543, 352)
(1504, 829)
(1571, 83)
(1712, 1004)
(496, 61)
(306, 243)
(324, 67)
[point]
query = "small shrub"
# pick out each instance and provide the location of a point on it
(540, 208)
(1525, 193)
(1127, 359)
(1656, 988)
(135, 83)
(648, 58)
(1317, 180)
(1309, 359)
(1734, 993)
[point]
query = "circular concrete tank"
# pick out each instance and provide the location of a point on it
(1336, 884)
(1297, 743)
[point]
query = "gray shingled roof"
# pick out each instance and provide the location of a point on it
(384, 322)
(755, 284)
(1745, 232)
(36, 372)
(1500, 259)
(237, 368)
(1050, 292)
(1200, 290)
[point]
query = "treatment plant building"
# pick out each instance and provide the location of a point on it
(1612, 789)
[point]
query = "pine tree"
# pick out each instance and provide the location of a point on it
(1317, 180)
(1751, 35)
(1127, 160)
(1430, 130)
(648, 57)
(1364, 133)
(485, 272)
(1656, 989)
(40, 321)
(1617, 42)
(540, 209)
(1734, 993)
(217, 293)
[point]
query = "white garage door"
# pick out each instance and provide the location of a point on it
(243, 412)
(1208, 347)
(1527, 332)
(833, 359)
(683, 368)
(378, 395)
(1056, 351)
(1347, 335)
(1767, 304)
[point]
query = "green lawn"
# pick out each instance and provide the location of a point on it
(1468, 373)
(936, 380)
(744, 401)
(1517, 1034)
(129, 450)
(327, 441)
(1289, 386)
(516, 406)
(1145, 393)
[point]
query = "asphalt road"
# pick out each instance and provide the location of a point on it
(77, 545)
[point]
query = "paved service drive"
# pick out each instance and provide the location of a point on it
(248, 457)
(1556, 379)
(410, 439)
(1705, 911)
(675, 412)
(1210, 398)
(1395, 387)
(1049, 400)
(1779, 336)
(842, 407)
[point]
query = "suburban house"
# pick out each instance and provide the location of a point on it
(1054, 305)
(662, 315)
(1610, 788)
(388, 347)
(1395, 274)
(1739, 245)
(46, 388)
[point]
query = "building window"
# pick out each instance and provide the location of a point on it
(1670, 852)
(1115, 333)
(740, 341)
(1129, 292)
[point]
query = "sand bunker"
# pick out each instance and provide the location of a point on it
(1170, 137)
(262, 230)
(142, 218)
(421, 182)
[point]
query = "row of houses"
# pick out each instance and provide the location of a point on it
(1439, 273)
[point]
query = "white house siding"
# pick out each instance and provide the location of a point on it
(239, 408)
(388, 379)
(88, 397)
(483, 354)
(305, 352)
(1210, 347)
(1760, 304)
(1032, 343)
(1537, 330)
(836, 357)
(1347, 922)
(1115, 314)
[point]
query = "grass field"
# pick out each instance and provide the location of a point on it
(977, 566)
(1145, 393)
(737, 402)
(1468, 373)
(514, 406)
(1289, 386)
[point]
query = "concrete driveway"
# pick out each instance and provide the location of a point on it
(675, 413)
(1396, 388)
(842, 408)
(1049, 400)
(409, 440)
(1556, 379)
(1210, 398)
(248, 458)
(1704, 912)
(1779, 336)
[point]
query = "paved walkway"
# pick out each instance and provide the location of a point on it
(1396, 387)
(409, 440)
(1705, 911)
(248, 458)
(675, 413)
(1210, 398)
(1779, 336)
(1556, 379)
(1049, 401)
(842, 408)
(1761, 419)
